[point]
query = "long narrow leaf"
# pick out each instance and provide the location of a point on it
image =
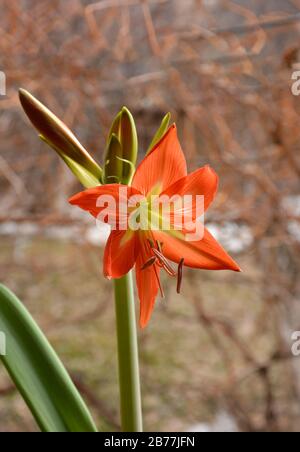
(38, 373)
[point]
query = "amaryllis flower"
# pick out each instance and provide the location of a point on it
(151, 250)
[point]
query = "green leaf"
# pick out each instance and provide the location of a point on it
(161, 131)
(38, 373)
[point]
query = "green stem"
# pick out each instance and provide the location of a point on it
(129, 377)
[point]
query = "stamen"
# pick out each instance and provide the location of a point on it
(159, 246)
(153, 261)
(169, 269)
(179, 275)
(160, 264)
(159, 283)
(149, 263)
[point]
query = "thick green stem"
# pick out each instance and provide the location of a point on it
(129, 376)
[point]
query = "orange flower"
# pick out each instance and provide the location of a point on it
(162, 172)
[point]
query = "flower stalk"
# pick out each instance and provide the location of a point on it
(128, 361)
(120, 159)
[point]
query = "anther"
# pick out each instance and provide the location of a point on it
(149, 263)
(179, 275)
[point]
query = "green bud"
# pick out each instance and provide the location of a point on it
(121, 163)
(113, 166)
(160, 132)
(87, 179)
(57, 135)
(129, 141)
(115, 127)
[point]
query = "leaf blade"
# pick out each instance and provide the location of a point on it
(38, 373)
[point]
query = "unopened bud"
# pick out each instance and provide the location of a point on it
(57, 135)
(122, 156)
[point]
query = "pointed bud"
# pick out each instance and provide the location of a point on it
(123, 129)
(57, 135)
(129, 142)
(160, 132)
(113, 167)
(115, 127)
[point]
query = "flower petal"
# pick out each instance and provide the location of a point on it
(163, 166)
(204, 182)
(119, 254)
(105, 203)
(147, 283)
(205, 254)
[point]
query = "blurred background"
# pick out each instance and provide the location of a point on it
(218, 357)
